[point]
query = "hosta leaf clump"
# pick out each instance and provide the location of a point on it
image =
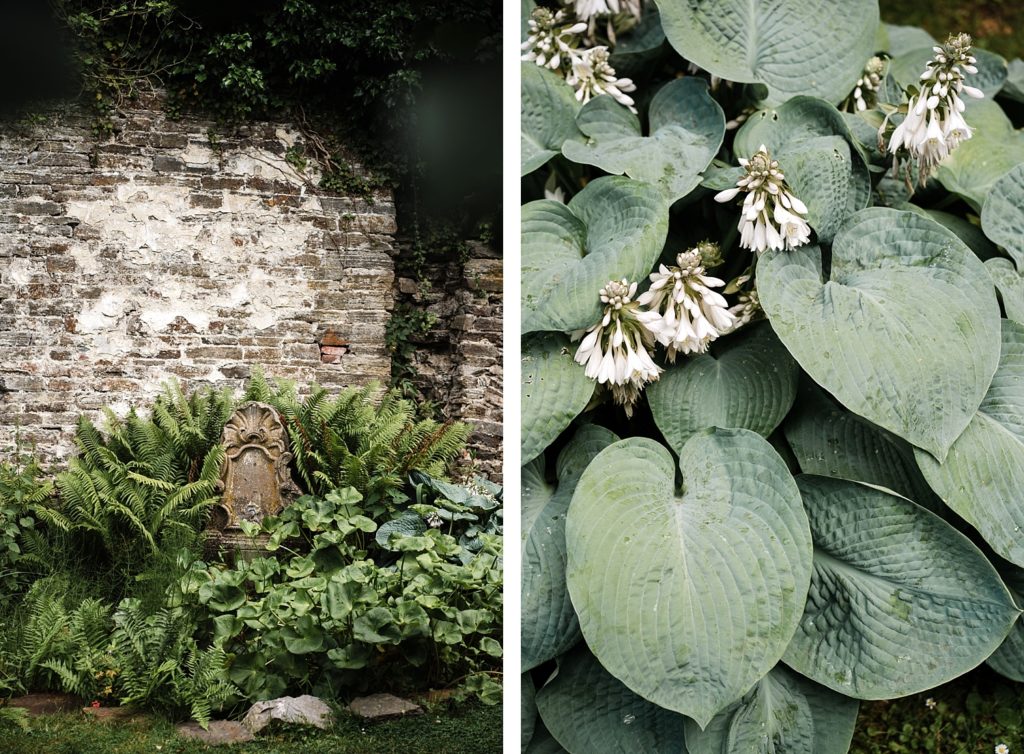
(688, 597)
(612, 229)
(883, 619)
(905, 329)
(773, 373)
(982, 478)
(792, 46)
(550, 626)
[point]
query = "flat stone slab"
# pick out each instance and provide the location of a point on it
(383, 706)
(220, 732)
(295, 710)
(113, 714)
(46, 704)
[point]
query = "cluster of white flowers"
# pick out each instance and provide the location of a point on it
(616, 351)
(772, 217)
(555, 41)
(934, 125)
(865, 92)
(746, 309)
(591, 75)
(685, 314)
(553, 38)
(1002, 749)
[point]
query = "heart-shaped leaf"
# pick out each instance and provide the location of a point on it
(1014, 86)
(1002, 216)
(527, 710)
(588, 710)
(1008, 660)
(548, 116)
(747, 381)
(903, 39)
(904, 333)
(973, 168)
(794, 46)
(1010, 285)
(688, 597)
(900, 601)
(548, 622)
(686, 130)
(784, 714)
(614, 228)
(553, 391)
(982, 478)
(819, 156)
(830, 441)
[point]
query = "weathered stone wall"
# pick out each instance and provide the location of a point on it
(174, 250)
(459, 361)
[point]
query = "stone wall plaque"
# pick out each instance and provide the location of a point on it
(255, 468)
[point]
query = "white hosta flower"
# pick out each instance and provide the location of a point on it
(746, 309)
(434, 521)
(589, 9)
(865, 91)
(553, 39)
(615, 351)
(685, 314)
(591, 76)
(934, 125)
(772, 217)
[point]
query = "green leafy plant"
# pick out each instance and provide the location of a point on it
(147, 481)
(330, 608)
(356, 441)
(772, 365)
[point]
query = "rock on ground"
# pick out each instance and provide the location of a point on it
(297, 710)
(383, 706)
(46, 704)
(219, 732)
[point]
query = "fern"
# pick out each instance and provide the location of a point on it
(162, 665)
(145, 480)
(357, 440)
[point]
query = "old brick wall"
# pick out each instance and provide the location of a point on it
(459, 361)
(173, 249)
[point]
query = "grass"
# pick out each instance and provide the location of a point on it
(996, 25)
(470, 728)
(970, 715)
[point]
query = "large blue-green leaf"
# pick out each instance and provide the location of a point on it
(813, 47)
(543, 742)
(982, 478)
(1002, 216)
(830, 441)
(900, 601)
(974, 167)
(554, 389)
(908, 67)
(614, 228)
(1008, 660)
(1010, 285)
(905, 332)
(748, 380)
(527, 710)
(688, 597)
(1014, 86)
(588, 710)
(783, 714)
(638, 49)
(903, 39)
(548, 622)
(818, 155)
(686, 130)
(548, 116)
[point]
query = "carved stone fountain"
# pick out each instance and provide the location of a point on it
(255, 482)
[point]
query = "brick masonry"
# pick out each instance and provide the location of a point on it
(459, 360)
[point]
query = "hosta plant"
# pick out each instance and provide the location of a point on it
(772, 374)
